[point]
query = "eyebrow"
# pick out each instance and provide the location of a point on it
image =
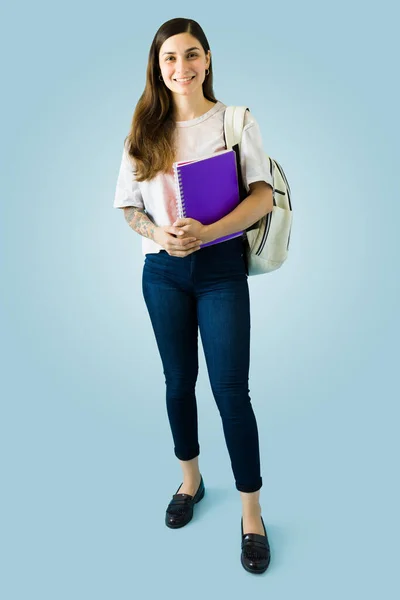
(188, 50)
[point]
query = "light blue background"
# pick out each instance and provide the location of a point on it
(87, 456)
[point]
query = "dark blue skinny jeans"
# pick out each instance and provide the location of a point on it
(207, 291)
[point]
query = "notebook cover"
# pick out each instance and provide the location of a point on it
(209, 190)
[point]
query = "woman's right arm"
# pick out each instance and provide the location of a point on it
(139, 221)
(171, 238)
(128, 196)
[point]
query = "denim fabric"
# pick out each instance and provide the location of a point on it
(206, 291)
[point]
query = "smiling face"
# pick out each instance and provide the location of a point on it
(183, 64)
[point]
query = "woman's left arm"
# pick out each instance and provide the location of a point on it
(257, 204)
(257, 180)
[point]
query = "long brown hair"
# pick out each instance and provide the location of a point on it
(150, 140)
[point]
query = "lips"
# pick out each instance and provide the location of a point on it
(184, 79)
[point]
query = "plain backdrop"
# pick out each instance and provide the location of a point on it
(87, 462)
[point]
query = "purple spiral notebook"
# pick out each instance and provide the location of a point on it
(207, 189)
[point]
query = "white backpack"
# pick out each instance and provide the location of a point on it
(268, 239)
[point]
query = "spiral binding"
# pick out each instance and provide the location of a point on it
(180, 200)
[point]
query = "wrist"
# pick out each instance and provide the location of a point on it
(154, 233)
(208, 234)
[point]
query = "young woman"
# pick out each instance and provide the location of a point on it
(188, 288)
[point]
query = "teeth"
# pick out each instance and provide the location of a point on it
(187, 79)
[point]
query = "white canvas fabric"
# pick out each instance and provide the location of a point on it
(268, 241)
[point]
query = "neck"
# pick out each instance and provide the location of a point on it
(187, 108)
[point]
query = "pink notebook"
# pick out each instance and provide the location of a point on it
(207, 189)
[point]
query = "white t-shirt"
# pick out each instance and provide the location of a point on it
(196, 138)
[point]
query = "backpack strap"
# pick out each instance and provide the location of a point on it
(233, 124)
(233, 128)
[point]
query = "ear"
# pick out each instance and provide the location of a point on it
(208, 59)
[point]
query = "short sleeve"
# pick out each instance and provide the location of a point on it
(127, 192)
(254, 162)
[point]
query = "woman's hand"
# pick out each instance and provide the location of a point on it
(175, 241)
(194, 228)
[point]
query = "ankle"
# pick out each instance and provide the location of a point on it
(252, 510)
(192, 478)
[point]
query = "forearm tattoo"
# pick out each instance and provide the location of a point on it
(139, 221)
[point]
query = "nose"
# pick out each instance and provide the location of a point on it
(181, 66)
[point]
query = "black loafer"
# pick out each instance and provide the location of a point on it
(180, 510)
(256, 553)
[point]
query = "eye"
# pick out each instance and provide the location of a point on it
(190, 54)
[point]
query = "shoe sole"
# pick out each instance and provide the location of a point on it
(191, 517)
